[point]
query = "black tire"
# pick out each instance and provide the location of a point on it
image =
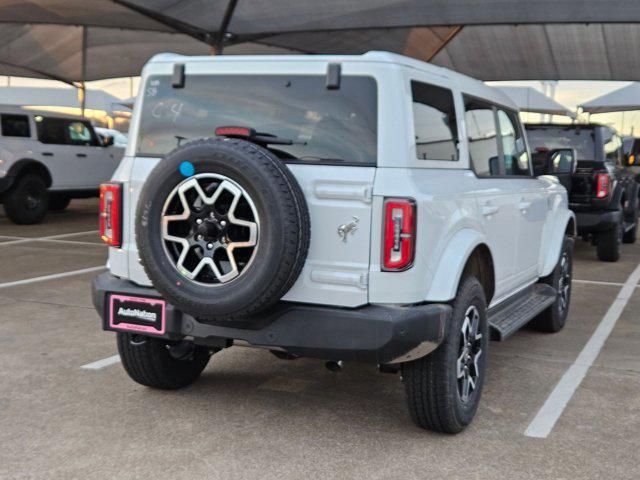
(553, 319)
(608, 243)
(432, 384)
(27, 201)
(281, 248)
(58, 202)
(159, 364)
(631, 235)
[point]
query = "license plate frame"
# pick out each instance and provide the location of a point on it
(137, 314)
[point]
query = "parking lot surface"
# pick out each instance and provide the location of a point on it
(253, 416)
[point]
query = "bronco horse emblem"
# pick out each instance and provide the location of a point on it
(348, 228)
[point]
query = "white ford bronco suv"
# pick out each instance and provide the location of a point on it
(348, 208)
(47, 159)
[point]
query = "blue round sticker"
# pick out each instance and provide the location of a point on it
(187, 169)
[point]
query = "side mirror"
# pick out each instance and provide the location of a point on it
(561, 161)
(107, 140)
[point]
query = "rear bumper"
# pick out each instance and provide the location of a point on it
(597, 221)
(373, 333)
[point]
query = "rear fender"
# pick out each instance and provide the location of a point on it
(446, 278)
(564, 224)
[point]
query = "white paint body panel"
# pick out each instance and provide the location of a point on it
(523, 235)
(68, 170)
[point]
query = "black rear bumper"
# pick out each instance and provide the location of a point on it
(373, 333)
(597, 221)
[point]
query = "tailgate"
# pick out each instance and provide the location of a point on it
(336, 271)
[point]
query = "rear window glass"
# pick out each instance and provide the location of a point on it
(582, 139)
(434, 120)
(326, 126)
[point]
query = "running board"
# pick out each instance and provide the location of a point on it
(509, 316)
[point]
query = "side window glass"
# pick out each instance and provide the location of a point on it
(612, 148)
(482, 136)
(434, 121)
(516, 158)
(15, 126)
(51, 130)
(78, 133)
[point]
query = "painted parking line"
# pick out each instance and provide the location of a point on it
(105, 362)
(51, 237)
(596, 282)
(555, 404)
(54, 276)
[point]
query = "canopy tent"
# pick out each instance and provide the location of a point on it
(529, 99)
(75, 41)
(58, 97)
(487, 39)
(622, 100)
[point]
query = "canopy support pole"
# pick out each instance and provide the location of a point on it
(82, 91)
(226, 20)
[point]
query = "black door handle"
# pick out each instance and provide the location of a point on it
(47, 154)
(81, 155)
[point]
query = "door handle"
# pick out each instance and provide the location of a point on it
(82, 155)
(488, 210)
(523, 206)
(47, 154)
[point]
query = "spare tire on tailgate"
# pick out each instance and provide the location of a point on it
(222, 228)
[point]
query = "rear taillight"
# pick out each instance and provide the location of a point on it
(111, 214)
(399, 234)
(602, 185)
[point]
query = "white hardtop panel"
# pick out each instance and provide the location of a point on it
(13, 109)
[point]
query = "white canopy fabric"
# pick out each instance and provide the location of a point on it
(58, 97)
(622, 100)
(529, 99)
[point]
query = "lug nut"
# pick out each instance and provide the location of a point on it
(223, 223)
(198, 221)
(212, 215)
(199, 237)
(209, 246)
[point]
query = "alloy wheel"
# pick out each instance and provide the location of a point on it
(469, 353)
(210, 229)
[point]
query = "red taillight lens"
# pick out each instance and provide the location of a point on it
(399, 234)
(111, 214)
(602, 185)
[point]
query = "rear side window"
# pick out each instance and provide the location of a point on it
(482, 135)
(15, 126)
(613, 149)
(434, 121)
(64, 131)
(514, 150)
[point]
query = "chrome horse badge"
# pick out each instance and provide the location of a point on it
(348, 228)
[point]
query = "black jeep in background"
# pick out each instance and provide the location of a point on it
(602, 187)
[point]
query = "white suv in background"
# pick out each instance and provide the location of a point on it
(47, 159)
(349, 208)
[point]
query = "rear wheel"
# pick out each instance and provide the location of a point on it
(608, 243)
(443, 389)
(27, 201)
(161, 364)
(554, 318)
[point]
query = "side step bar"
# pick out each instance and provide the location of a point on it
(508, 317)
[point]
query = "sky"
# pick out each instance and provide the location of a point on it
(568, 93)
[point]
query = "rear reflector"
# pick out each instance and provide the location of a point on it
(399, 234)
(111, 214)
(602, 185)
